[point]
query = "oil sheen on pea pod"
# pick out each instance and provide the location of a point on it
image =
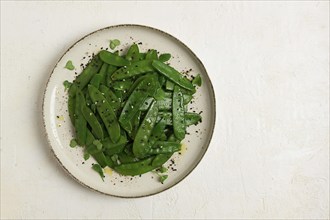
(141, 144)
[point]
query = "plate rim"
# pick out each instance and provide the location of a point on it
(178, 41)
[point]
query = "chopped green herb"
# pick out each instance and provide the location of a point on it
(164, 57)
(86, 156)
(197, 80)
(73, 143)
(163, 178)
(69, 65)
(98, 169)
(163, 169)
(114, 43)
(67, 84)
(98, 144)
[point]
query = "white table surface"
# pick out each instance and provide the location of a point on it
(269, 63)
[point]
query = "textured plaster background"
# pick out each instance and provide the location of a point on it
(269, 63)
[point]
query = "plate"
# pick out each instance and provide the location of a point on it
(60, 131)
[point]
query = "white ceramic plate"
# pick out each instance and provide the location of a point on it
(60, 131)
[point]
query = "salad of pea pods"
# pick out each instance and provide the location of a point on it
(130, 111)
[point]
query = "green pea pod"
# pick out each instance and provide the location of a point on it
(103, 73)
(96, 80)
(109, 144)
(135, 124)
(190, 118)
(113, 59)
(136, 168)
(178, 112)
(92, 121)
(160, 159)
(111, 69)
(140, 144)
(110, 97)
(186, 97)
(151, 55)
(169, 85)
(106, 112)
(87, 74)
(162, 80)
(173, 75)
(135, 101)
(134, 69)
(157, 132)
(89, 138)
(124, 85)
(133, 53)
(124, 158)
(97, 154)
(163, 147)
(142, 56)
(80, 121)
(137, 82)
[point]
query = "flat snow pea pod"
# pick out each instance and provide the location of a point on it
(136, 168)
(80, 121)
(103, 73)
(163, 147)
(192, 118)
(133, 53)
(157, 132)
(87, 74)
(163, 104)
(115, 150)
(97, 154)
(189, 117)
(173, 75)
(164, 57)
(137, 82)
(186, 97)
(111, 69)
(96, 80)
(134, 102)
(160, 159)
(125, 158)
(151, 55)
(106, 112)
(169, 85)
(179, 125)
(113, 59)
(92, 121)
(135, 124)
(89, 137)
(108, 143)
(110, 97)
(134, 69)
(140, 144)
(142, 56)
